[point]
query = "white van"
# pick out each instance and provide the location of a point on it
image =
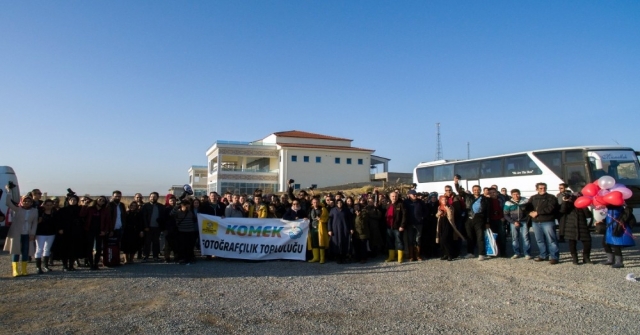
(6, 175)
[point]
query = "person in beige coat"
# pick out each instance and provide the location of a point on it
(21, 235)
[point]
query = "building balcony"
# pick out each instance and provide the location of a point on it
(249, 170)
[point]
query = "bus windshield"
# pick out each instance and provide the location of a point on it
(621, 165)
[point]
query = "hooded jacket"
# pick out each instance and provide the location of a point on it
(515, 211)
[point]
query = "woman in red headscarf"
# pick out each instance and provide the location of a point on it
(446, 231)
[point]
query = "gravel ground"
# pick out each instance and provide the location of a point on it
(497, 296)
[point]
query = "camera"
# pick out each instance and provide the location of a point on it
(567, 194)
(313, 187)
(70, 193)
(458, 176)
(11, 185)
(291, 181)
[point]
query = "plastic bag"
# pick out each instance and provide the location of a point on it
(490, 242)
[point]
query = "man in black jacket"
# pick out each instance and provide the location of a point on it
(414, 218)
(478, 213)
(213, 206)
(152, 216)
(542, 207)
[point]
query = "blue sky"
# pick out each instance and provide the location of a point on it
(107, 95)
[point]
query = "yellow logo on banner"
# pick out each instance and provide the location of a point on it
(209, 227)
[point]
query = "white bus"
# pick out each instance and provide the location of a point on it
(575, 166)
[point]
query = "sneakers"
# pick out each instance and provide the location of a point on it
(515, 256)
(470, 256)
(527, 257)
(481, 258)
(540, 259)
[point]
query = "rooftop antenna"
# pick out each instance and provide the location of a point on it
(439, 150)
(468, 151)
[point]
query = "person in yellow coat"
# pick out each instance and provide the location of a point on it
(261, 210)
(318, 238)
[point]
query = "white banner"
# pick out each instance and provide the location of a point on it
(256, 239)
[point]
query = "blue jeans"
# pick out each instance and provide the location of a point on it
(518, 233)
(545, 233)
(395, 238)
(24, 249)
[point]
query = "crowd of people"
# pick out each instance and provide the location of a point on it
(403, 226)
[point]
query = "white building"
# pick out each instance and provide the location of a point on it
(198, 179)
(268, 164)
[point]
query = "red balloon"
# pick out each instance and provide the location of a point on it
(590, 190)
(614, 198)
(582, 202)
(599, 201)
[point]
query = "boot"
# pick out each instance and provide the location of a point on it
(417, 253)
(400, 255)
(71, 263)
(45, 264)
(618, 264)
(14, 266)
(316, 255)
(39, 266)
(574, 258)
(412, 254)
(96, 261)
(609, 260)
(322, 254)
(392, 256)
(24, 268)
(65, 265)
(586, 258)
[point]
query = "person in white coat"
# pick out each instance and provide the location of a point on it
(22, 232)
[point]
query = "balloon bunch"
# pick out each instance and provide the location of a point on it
(603, 192)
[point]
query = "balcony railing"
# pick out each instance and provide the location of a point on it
(244, 143)
(249, 170)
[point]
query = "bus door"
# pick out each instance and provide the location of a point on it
(576, 176)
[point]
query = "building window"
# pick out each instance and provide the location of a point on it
(305, 159)
(348, 160)
(296, 186)
(294, 158)
(359, 161)
(337, 160)
(318, 159)
(246, 188)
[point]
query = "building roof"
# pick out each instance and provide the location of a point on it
(304, 134)
(327, 147)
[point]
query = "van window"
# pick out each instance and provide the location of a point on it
(573, 156)
(443, 173)
(468, 171)
(520, 165)
(552, 159)
(424, 174)
(491, 168)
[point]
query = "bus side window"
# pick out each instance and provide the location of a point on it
(520, 165)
